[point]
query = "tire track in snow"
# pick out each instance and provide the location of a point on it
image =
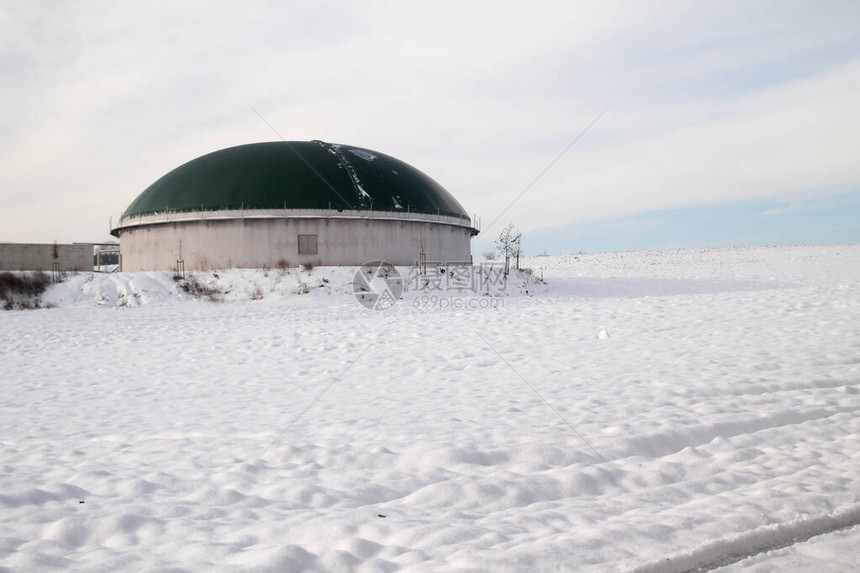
(765, 388)
(726, 551)
(666, 443)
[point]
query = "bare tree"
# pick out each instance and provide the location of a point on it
(508, 245)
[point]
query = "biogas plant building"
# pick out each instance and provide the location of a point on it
(282, 203)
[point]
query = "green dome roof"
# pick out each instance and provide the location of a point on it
(296, 175)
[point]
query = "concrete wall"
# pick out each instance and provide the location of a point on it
(265, 242)
(40, 257)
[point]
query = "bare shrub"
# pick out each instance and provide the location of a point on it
(23, 290)
(192, 285)
(31, 284)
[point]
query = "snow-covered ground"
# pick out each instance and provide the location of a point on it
(645, 411)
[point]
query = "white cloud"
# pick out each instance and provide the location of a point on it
(798, 139)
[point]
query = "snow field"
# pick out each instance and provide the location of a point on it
(715, 418)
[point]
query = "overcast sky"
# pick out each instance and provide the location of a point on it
(746, 112)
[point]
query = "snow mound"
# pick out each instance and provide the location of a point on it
(274, 286)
